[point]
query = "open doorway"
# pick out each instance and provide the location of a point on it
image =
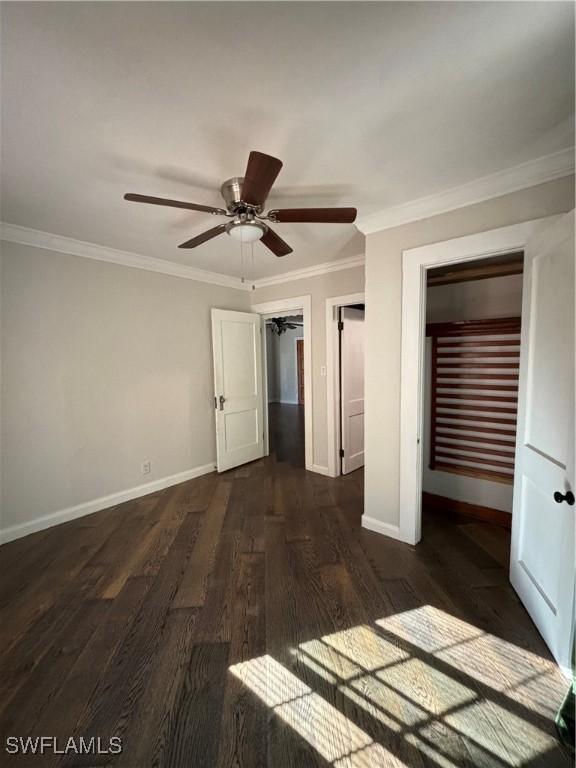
(542, 539)
(294, 307)
(471, 371)
(285, 371)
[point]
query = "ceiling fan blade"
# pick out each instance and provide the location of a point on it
(261, 173)
(314, 215)
(133, 198)
(275, 243)
(208, 235)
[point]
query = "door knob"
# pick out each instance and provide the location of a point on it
(222, 400)
(568, 497)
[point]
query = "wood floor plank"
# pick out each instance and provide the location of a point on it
(366, 584)
(283, 635)
(492, 539)
(258, 496)
(157, 707)
(43, 684)
(192, 590)
(53, 628)
(147, 554)
(195, 728)
(77, 548)
(109, 708)
(243, 740)
(214, 623)
(85, 674)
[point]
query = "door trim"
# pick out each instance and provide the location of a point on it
(294, 304)
(333, 377)
(415, 263)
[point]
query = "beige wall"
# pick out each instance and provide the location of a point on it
(104, 367)
(493, 297)
(319, 288)
(383, 321)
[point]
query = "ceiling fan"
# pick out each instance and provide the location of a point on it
(280, 325)
(245, 198)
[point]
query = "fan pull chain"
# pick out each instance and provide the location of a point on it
(242, 262)
(247, 264)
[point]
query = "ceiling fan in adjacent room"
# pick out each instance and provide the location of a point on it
(280, 325)
(245, 198)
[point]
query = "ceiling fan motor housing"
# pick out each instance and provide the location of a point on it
(231, 191)
(245, 226)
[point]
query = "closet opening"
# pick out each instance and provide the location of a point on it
(471, 370)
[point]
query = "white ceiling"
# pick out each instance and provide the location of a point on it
(367, 104)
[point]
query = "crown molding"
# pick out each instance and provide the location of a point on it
(13, 233)
(313, 271)
(539, 171)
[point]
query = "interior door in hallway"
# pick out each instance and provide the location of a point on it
(352, 388)
(542, 554)
(238, 387)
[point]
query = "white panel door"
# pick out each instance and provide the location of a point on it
(238, 384)
(542, 555)
(352, 388)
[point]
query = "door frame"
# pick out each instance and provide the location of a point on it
(294, 305)
(333, 304)
(415, 264)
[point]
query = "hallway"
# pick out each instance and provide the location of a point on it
(286, 433)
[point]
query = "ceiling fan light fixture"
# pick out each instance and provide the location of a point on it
(246, 231)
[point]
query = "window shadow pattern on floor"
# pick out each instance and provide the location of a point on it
(417, 688)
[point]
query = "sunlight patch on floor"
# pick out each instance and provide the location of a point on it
(336, 665)
(424, 679)
(522, 675)
(431, 751)
(497, 730)
(429, 628)
(434, 691)
(365, 648)
(336, 738)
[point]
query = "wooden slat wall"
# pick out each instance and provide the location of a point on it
(474, 397)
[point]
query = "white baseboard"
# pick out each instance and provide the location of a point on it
(386, 529)
(95, 505)
(320, 470)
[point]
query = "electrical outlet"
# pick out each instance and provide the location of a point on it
(146, 467)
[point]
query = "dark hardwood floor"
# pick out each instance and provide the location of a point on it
(248, 620)
(286, 432)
